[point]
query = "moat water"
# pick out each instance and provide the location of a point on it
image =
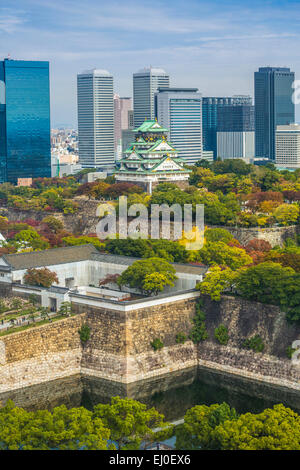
(171, 395)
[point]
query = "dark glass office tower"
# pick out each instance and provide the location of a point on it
(273, 106)
(25, 150)
(210, 107)
(234, 118)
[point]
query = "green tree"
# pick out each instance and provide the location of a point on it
(221, 334)
(131, 423)
(30, 238)
(198, 332)
(84, 333)
(287, 214)
(155, 282)
(200, 422)
(218, 235)
(219, 253)
(216, 281)
(65, 309)
(273, 429)
(135, 275)
(267, 282)
(83, 240)
(61, 429)
(44, 311)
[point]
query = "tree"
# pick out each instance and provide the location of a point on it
(131, 423)
(65, 309)
(219, 253)
(198, 332)
(53, 223)
(232, 165)
(155, 283)
(135, 275)
(44, 313)
(216, 281)
(122, 189)
(83, 240)
(40, 277)
(30, 238)
(61, 429)
(218, 235)
(287, 214)
(200, 422)
(268, 283)
(273, 429)
(257, 244)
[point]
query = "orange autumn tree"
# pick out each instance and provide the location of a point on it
(40, 277)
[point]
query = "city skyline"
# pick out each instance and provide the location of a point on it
(203, 39)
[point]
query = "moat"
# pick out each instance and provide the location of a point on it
(172, 394)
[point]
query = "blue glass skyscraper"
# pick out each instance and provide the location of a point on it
(25, 150)
(273, 106)
(210, 107)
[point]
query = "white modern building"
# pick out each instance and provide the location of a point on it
(79, 270)
(145, 84)
(288, 146)
(180, 111)
(95, 99)
(236, 145)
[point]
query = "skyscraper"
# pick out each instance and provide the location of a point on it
(210, 106)
(273, 106)
(95, 99)
(145, 84)
(180, 111)
(235, 132)
(122, 106)
(288, 146)
(25, 149)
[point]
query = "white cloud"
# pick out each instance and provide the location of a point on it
(10, 23)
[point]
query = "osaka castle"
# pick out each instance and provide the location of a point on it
(151, 159)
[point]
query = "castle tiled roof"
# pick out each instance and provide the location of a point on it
(35, 259)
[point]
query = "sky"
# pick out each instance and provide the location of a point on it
(213, 45)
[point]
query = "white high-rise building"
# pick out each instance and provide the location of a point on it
(95, 98)
(180, 111)
(288, 146)
(145, 84)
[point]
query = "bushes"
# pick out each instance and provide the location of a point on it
(181, 338)
(221, 334)
(157, 344)
(290, 351)
(84, 333)
(198, 332)
(255, 343)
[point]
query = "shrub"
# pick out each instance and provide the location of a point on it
(221, 334)
(40, 277)
(181, 338)
(157, 344)
(84, 333)
(255, 343)
(198, 332)
(290, 351)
